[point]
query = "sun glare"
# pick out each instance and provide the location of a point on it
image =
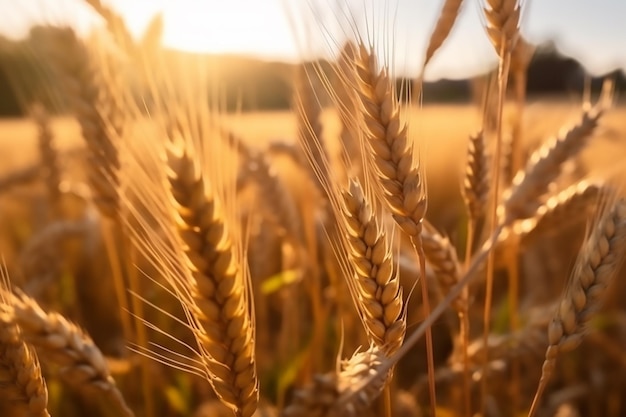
(238, 26)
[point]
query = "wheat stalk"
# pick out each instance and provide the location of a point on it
(598, 261)
(475, 194)
(346, 107)
(443, 258)
(308, 112)
(521, 57)
(503, 17)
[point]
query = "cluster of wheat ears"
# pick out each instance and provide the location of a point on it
(218, 271)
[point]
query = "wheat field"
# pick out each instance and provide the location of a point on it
(367, 257)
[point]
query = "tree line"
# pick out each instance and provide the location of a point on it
(245, 84)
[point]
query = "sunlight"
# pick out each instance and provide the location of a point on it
(238, 26)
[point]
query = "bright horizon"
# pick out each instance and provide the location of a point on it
(590, 31)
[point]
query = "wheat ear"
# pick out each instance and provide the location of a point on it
(333, 395)
(59, 341)
(21, 383)
(523, 199)
(469, 274)
(530, 339)
(100, 112)
(391, 163)
(219, 288)
(115, 25)
(476, 180)
(391, 154)
(503, 18)
(41, 258)
(441, 255)
(562, 209)
(280, 205)
(377, 291)
(48, 154)
(598, 262)
(277, 202)
(443, 27)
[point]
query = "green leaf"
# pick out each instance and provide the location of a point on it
(280, 280)
(289, 373)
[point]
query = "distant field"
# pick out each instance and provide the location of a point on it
(440, 130)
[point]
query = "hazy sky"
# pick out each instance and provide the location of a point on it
(592, 31)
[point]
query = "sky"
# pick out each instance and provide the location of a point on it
(592, 31)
